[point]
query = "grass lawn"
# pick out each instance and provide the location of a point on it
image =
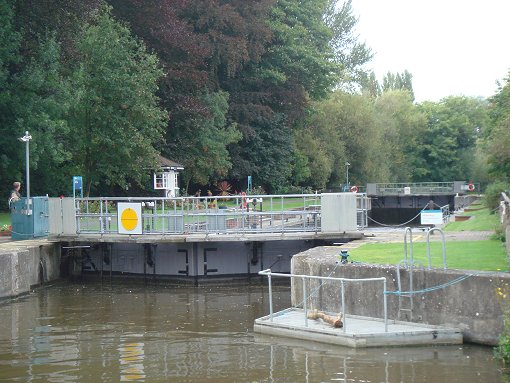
(5, 219)
(487, 255)
(481, 220)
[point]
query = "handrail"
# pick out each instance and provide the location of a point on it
(342, 280)
(236, 214)
(443, 243)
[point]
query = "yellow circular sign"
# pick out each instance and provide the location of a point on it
(129, 219)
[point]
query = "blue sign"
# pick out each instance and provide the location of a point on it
(77, 182)
(77, 185)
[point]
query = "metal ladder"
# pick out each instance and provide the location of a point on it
(405, 301)
(410, 266)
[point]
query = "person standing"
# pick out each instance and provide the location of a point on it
(15, 195)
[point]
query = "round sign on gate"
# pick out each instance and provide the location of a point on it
(129, 218)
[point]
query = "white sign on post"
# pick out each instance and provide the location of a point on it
(431, 217)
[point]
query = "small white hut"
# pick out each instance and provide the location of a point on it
(166, 177)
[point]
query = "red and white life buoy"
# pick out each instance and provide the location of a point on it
(244, 202)
(354, 189)
(471, 187)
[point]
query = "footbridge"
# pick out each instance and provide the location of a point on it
(400, 202)
(194, 236)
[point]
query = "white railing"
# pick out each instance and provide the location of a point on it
(306, 294)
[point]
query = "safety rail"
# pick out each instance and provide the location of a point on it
(211, 214)
(445, 210)
(427, 188)
(342, 281)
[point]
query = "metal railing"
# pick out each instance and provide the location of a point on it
(445, 210)
(211, 214)
(306, 296)
(427, 188)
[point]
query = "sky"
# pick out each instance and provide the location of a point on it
(451, 47)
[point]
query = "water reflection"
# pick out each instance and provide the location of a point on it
(125, 332)
(131, 362)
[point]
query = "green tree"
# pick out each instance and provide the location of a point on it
(10, 169)
(401, 128)
(203, 144)
(341, 130)
(498, 136)
(115, 116)
(453, 126)
(40, 101)
(398, 81)
(348, 52)
(270, 164)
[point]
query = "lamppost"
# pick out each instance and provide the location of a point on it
(347, 175)
(26, 138)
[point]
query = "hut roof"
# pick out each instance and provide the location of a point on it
(166, 163)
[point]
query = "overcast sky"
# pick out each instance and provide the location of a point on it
(451, 47)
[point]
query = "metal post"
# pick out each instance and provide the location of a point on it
(26, 139)
(385, 305)
(270, 296)
(347, 175)
(343, 304)
(28, 170)
(305, 306)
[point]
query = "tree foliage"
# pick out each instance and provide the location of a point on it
(453, 126)
(273, 89)
(115, 115)
(498, 135)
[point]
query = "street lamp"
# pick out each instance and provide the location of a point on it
(347, 175)
(26, 138)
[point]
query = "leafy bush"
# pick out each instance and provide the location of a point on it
(502, 350)
(493, 194)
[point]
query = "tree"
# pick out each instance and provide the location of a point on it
(348, 52)
(204, 149)
(41, 98)
(115, 116)
(401, 128)
(270, 164)
(10, 169)
(498, 136)
(341, 129)
(398, 81)
(453, 126)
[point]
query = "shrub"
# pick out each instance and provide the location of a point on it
(493, 194)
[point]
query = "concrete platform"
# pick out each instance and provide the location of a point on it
(358, 332)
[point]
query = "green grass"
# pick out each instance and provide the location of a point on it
(5, 219)
(487, 255)
(481, 220)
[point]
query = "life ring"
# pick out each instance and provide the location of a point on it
(244, 202)
(354, 189)
(471, 187)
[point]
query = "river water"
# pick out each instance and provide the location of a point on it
(126, 331)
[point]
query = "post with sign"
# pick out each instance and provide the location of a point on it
(431, 217)
(77, 185)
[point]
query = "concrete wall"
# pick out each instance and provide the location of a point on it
(471, 305)
(25, 264)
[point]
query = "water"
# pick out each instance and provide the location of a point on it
(126, 332)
